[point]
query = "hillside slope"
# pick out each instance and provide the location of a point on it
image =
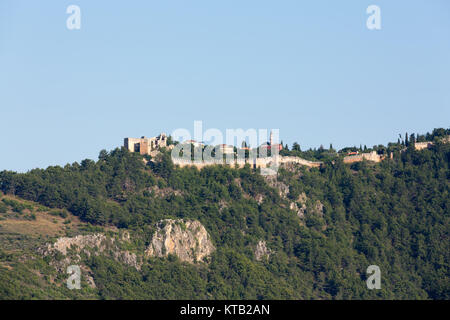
(309, 233)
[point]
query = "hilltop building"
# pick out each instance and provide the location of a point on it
(422, 145)
(271, 145)
(195, 143)
(429, 144)
(226, 149)
(372, 156)
(145, 145)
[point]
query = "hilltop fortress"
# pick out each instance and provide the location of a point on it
(148, 146)
(266, 162)
(370, 156)
(152, 146)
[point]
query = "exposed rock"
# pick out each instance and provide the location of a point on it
(125, 236)
(128, 258)
(188, 240)
(261, 251)
(96, 244)
(300, 211)
(222, 205)
(318, 208)
(300, 205)
(292, 167)
(78, 243)
(283, 189)
(164, 192)
(237, 181)
(90, 281)
(259, 198)
(302, 198)
(87, 275)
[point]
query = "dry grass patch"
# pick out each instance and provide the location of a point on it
(44, 225)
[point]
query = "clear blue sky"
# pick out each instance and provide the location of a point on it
(309, 68)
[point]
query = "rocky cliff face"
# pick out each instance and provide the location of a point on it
(78, 243)
(261, 251)
(299, 206)
(188, 240)
(282, 189)
(96, 244)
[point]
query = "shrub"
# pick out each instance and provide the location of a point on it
(15, 205)
(3, 208)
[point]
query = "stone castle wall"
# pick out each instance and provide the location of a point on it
(372, 156)
(255, 163)
(423, 145)
(145, 145)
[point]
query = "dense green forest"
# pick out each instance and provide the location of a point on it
(394, 214)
